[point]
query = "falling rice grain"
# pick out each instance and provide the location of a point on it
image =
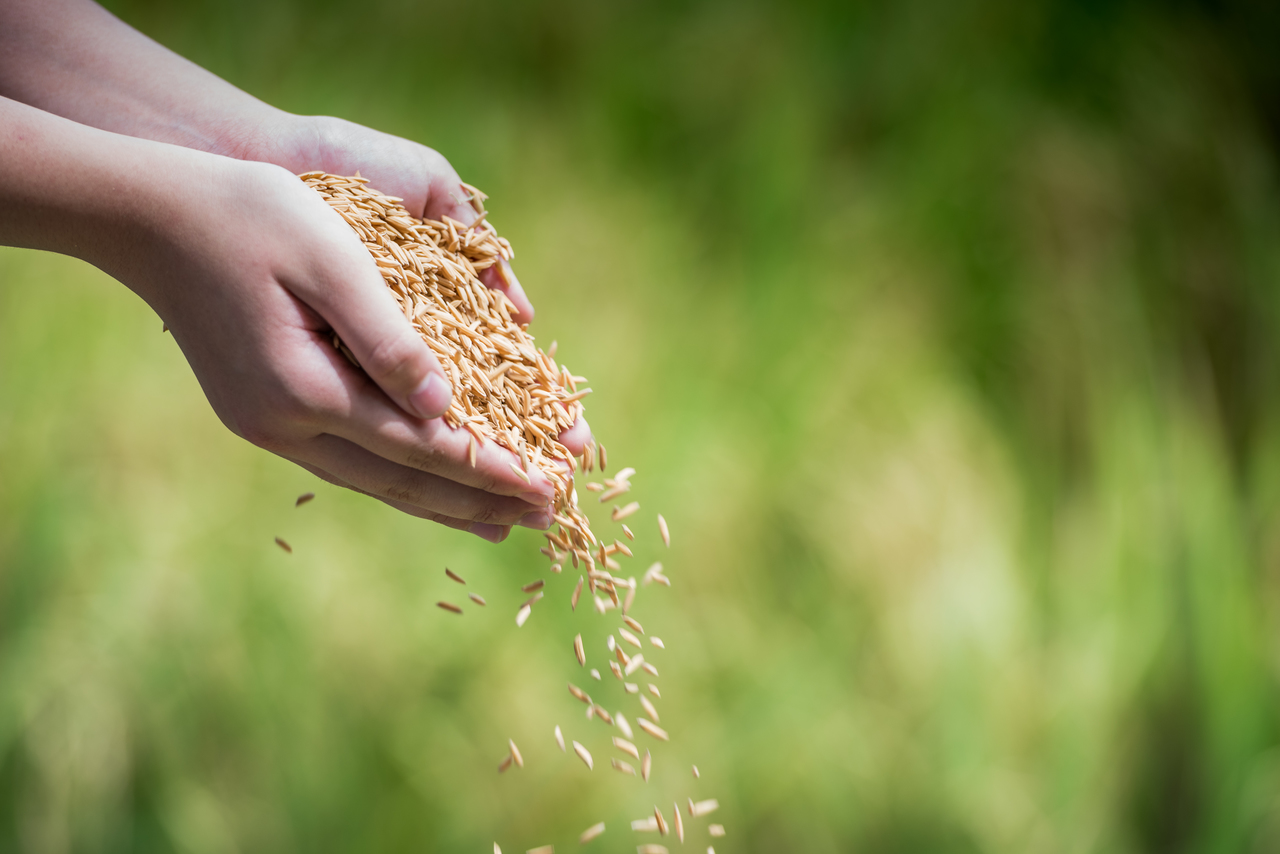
(282, 544)
(630, 638)
(579, 651)
(700, 808)
(648, 708)
(591, 833)
(523, 614)
(449, 572)
(449, 606)
(595, 674)
(603, 714)
(477, 598)
(652, 571)
(515, 753)
(626, 747)
(644, 825)
(627, 532)
(662, 822)
(577, 591)
(649, 668)
(696, 775)
(604, 458)
(584, 755)
(624, 767)
(624, 726)
(631, 687)
(620, 513)
(560, 741)
(653, 689)
(633, 623)
(679, 823)
(579, 693)
(657, 641)
(662, 529)
(646, 765)
(653, 729)
(716, 830)
(304, 498)
(532, 586)
(505, 763)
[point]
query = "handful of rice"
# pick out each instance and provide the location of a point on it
(505, 389)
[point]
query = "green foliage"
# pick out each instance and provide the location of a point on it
(944, 334)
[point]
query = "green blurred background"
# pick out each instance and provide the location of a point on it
(946, 335)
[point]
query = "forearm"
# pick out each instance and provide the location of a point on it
(74, 59)
(80, 191)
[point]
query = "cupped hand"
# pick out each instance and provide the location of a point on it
(253, 271)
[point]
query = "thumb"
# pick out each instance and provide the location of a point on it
(365, 315)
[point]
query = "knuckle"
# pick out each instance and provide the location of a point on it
(396, 361)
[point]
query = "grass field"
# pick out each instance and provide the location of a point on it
(946, 336)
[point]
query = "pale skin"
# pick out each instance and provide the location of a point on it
(117, 151)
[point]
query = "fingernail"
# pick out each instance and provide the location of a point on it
(536, 498)
(432, 397)
(539, 520)
(492, 533)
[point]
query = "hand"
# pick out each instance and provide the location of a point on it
(251, 270)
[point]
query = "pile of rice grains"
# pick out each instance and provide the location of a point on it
(507, 391)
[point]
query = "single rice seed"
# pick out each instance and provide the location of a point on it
(646, 765)
(449, 572)
(496, 849)
(505, 763)
(623, 766)
(677, 821)
(653, 689)
(534, 598)
(662, 822)
(304, 498)
(653, 729)
(634, 664)
(591, 833)
(623, 725)
(523, 614)
(577, 591)
(627, 531)
(471, 451)
(696, 775)
(532, 586)
(698, 809)
(644, 825)
(515, 753)
(657, 641)
(651, 572)
(630, 638)
(603, 714)
(477, 598)
(521, 473)
(282, 544)
(620, 513)
(716, 830)
(662, 529)
(631, 687)
(595, 674)
(626, 747)
(449, 606)
(649, 708)
(604, 458)
(579, 693)
(649, 668)
(616, 668)
(560, 741)
(579, 651)
(583, 754)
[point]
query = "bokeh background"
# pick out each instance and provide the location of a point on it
(945, 334)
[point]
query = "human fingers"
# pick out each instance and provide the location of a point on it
(357, 411)
(343, 285)
(483, 530)
(432, 493)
